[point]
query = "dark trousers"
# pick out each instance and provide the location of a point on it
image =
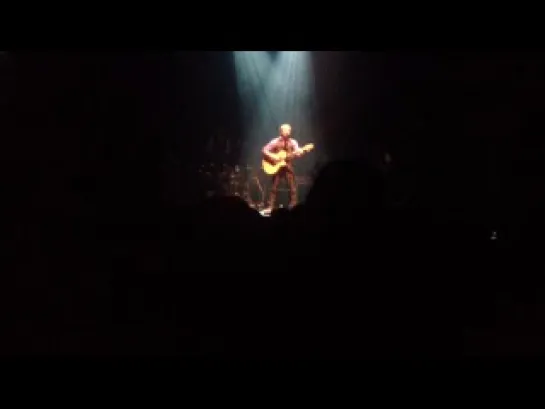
(287, 174)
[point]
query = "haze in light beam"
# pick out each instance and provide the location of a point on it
(275, 90)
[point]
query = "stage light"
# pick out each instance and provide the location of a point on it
(275, 88)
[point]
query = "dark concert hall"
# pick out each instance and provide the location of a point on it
(273, 204)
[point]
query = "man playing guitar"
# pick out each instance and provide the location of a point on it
(281, 165)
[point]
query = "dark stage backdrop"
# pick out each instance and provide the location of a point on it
(119, 132)
(463, 128)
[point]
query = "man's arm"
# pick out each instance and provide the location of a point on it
(268, 149)
(297, 151)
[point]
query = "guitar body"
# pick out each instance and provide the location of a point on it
(273, 168)
(280, 160)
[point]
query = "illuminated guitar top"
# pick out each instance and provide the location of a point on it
(280, 159)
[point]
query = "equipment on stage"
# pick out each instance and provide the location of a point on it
(226, 180)
(254, 193)
(280, 159)
(246, 182)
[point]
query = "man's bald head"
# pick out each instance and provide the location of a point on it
(285, 130)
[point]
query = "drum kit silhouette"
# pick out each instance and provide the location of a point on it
(249, 183)
(226, 180)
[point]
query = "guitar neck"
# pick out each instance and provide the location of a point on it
(293, 155)
(289, 156)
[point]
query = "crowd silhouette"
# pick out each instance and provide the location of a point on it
(331, 278)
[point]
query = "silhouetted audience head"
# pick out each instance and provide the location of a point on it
(346, 190)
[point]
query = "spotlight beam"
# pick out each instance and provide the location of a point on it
(273, 90)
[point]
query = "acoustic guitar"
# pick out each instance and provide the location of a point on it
(280, 158)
